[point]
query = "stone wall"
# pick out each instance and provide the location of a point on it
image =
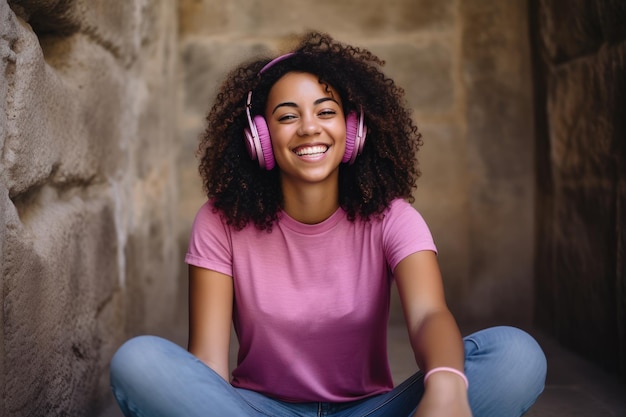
(88, 186)
(581, 153)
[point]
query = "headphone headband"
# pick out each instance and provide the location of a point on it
(275, 61)
(265, 68)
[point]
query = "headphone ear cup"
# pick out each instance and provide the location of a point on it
(254, 146)
(354, 141)
(265, 143)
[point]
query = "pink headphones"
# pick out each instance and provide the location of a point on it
(259, 143)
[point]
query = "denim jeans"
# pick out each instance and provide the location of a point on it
(151, 376)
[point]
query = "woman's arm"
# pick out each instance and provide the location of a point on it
(434, 335)
(210, 318)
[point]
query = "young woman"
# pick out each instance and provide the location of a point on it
(309, 163)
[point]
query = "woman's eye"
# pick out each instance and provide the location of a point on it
(327, 113)
(286, 118)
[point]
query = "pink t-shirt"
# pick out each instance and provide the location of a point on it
(311, 301)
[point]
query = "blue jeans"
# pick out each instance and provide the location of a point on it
(151, 376)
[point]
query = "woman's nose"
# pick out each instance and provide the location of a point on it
(309, 126)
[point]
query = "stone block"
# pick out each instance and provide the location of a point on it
(495, 42)
(424, 70)
(498, 90)
(585, 273)
(23, 67)
(151, 289)
(501, 217)
(205, 17)
(156, 143)
(611, 17)
(205, 64)
(499, 131)
(499, 141)
(114, 25)
(60, 267)
(280, 18)
(152, 253)
(585, 104)
(110, 24)
(569, 28)
(71, 117)
(442, 199)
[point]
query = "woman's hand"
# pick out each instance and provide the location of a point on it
(445, 396)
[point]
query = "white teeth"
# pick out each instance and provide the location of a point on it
(311, 150)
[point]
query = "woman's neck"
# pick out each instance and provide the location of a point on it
(311, 204)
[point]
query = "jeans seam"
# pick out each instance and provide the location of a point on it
(417, 379)
(234, 388)
(255, 408)
(472, 340)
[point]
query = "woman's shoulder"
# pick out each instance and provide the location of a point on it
(399, 206)
(400, 213)
(208, 214)
(404, 224)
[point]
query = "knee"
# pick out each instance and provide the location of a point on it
(515, 350)
(135, 357)
(508, 368)
(524, 351)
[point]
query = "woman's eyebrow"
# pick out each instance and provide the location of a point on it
(294, 105)
(323, 99)
(285, 104)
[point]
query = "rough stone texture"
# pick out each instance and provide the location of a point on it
(89, 248)
(58, 279)
(581, 102)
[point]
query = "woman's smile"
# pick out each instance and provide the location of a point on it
(311, 151)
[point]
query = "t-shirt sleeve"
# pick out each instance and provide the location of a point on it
(210, 244)
(404, 233)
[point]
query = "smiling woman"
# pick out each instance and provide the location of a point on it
(371, 103)
(309, 161)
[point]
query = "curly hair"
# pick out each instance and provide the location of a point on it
(386, 169)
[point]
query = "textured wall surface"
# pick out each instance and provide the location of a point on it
(581, 114)
(102, 103)
(88, 190)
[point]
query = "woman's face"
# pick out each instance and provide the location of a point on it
(307, 128)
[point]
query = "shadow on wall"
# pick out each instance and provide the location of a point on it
(580, 75)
